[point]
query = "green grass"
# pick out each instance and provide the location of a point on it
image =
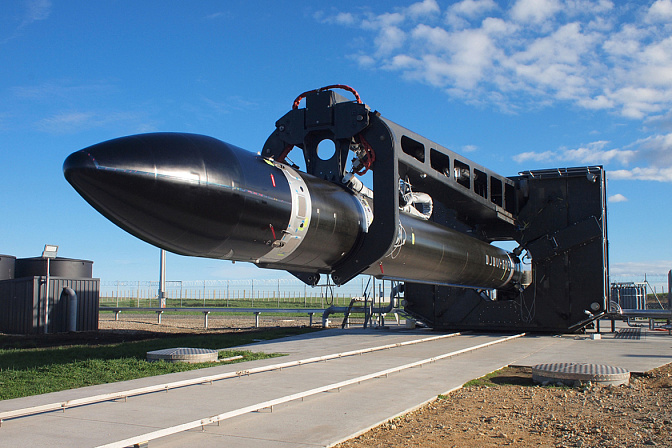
(266, 302)
(484, 381)
(508, 376)
(31, 371)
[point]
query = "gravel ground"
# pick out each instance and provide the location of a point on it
(517, 413)
(506, 410)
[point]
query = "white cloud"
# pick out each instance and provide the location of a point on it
(71, 122)
(656, 149)
(653, 155)
(545, 156)
(660, 11)
(530, 53)
(424, 8)
(403, 61)
(460, 14)
(66, 122)
(470, 56)
(472, 8)
(599, 102)
(37, 10)
(366, 61)
(534, 11)
(64, 92)
(653, 267)
(215, 15)
(341, 18)
(383, 21)
(581, 7)
(646, 173)
(591, 154)
(389, 39)
(618, 198)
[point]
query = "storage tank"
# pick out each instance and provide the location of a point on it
(23, 297)
(58, 267)
(7, 266)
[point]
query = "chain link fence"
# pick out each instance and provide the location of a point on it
(241, 293)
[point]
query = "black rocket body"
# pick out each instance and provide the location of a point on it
(198, 196)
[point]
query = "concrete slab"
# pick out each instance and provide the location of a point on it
(319, 420)
(652, 349)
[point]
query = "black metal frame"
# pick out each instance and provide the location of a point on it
(328, 115)
(558, 216)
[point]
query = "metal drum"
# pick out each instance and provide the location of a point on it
(58, 267)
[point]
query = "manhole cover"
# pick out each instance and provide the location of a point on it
(573, 374)
(182, 354)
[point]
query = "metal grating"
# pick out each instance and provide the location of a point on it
(629, 333)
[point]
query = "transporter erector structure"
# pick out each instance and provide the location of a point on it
(428, 221)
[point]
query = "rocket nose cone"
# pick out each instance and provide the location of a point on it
(156, 187)
(76, 161)
(186, 193)
(77, 164)
(114, 176)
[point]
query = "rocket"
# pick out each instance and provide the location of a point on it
(198, 196)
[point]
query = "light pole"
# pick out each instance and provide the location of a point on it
(50, 251)
(162, 280)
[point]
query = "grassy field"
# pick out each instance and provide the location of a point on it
(296, 302)
(654, 301)
(28, 370)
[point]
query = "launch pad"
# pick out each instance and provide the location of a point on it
(302, 399)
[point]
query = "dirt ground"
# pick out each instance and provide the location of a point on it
(190, 323)
(514, 412)
(506, 410)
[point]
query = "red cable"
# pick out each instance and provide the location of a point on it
(370, 156)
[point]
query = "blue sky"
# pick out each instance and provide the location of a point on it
(513, 85)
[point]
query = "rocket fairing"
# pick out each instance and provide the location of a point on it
(198, 196)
